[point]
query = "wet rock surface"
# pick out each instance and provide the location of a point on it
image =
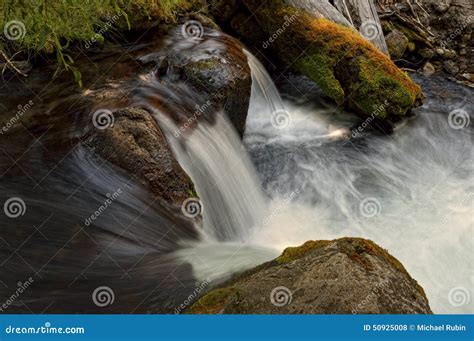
(136, 144)
(343, 276)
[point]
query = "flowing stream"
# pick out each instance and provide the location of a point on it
(411, 192)
(298, 175)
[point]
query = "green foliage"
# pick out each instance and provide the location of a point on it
(49, 26)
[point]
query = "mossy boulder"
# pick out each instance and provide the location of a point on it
(342, 276)
(397, 44)
(348, 68)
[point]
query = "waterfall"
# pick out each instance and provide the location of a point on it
(224, 177)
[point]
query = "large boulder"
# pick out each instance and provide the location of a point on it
(136, 144)
(210, 63)
(348, 68)
(343, 276)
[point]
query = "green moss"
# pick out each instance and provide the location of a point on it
(318, 67)
(292, 253)
(347, 67)
(214, 301)
(51, 26)
(354, 248)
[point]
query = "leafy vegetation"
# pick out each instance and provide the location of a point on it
(50, 26)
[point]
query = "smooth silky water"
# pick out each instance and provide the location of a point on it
(297, 176)
(410, 192)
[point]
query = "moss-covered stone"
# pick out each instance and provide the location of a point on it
(348, 68)
(346, 275)
(352, 247)
(214, 301)
(292, 253)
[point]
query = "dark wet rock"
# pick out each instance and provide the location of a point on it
(212, 64)
(437, 31)
(343, 276)
(451, 67)
(397, 43)
(136, 144)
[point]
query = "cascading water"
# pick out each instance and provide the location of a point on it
(323, 185)
(305, 179)
(224, 177)
(411, 192)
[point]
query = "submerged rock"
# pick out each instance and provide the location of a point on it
(350, 70)
(343, 276)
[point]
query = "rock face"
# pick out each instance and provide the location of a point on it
(349, 69)
(343, 276)
(397, 43)
(213, 64)
(439, 32)
(136, 144)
